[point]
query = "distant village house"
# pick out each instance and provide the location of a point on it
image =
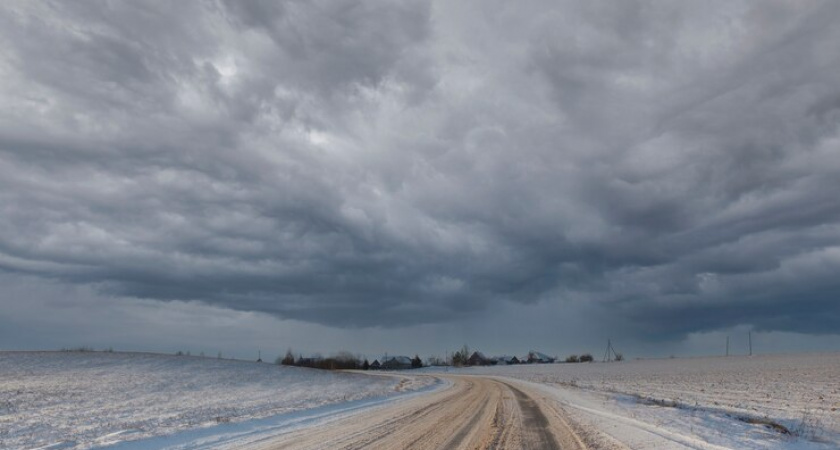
(478, 359)
(539, 358)
(397, 363)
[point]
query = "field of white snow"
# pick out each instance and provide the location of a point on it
(731, 401)
(87, 399)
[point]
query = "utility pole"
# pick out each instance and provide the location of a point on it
(608, 355)
(750, 335)
(727, 345)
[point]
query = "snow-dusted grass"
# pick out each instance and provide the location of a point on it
(800, 392)
(87, 399)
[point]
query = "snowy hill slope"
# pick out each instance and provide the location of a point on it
(84, 399)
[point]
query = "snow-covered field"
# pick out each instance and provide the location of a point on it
(84, 400)
(711, 399)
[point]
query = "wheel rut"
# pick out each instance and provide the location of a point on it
(536, 428)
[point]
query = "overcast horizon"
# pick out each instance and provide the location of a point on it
(408, 177)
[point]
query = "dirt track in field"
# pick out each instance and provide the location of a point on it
(474, 413)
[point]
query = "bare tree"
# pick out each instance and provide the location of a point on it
(289, 359)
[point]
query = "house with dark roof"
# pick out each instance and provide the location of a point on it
(478, 359)
(507, 360)
(539, 358)
(397, 363)
(375, 365)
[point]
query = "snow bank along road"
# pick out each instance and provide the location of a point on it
(475, 412)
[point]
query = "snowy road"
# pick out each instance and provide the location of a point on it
(475, 412)
(490, 412)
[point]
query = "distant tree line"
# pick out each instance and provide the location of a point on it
(466, 357)
(460, 357)
(586, 357)
(341, 361)
(85, 349)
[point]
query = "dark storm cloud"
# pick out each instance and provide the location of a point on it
(366, 163)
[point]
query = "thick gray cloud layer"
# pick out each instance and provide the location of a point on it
(394, 163)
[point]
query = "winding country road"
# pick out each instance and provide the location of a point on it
(473, 413)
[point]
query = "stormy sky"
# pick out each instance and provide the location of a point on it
(410, 176)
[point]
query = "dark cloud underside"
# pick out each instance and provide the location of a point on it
(394, 163)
